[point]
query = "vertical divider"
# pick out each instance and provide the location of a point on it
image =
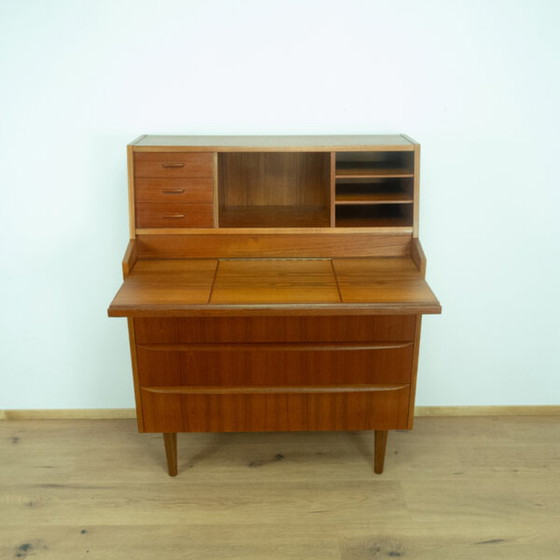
(216, 201)
(333, 190)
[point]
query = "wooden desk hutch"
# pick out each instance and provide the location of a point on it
(274, 284)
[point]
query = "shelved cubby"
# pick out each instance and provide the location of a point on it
(374, 189)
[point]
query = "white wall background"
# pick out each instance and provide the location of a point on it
(475, 81)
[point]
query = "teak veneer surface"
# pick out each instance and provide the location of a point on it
(299, 242)
(274, 143)
(376, 285)
(277, 409)
(263, 281)
(267, 330)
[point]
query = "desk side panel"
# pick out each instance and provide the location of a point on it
(134, 361)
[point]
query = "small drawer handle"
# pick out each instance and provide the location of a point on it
(173, 165)
(173, 216)
(172, 191)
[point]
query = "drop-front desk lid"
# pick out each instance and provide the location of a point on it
(264, 286)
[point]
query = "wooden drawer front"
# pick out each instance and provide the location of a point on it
(174, 215)
(276, 364)
(185, 330)
(173, 164)
(276, 409)
(175, 189)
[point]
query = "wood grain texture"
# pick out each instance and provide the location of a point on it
(300, 243)
(417, 255)
(166, 283)
(274, 217)
(271, 281)
(171, 164)
(383, 280)
(380, 450)
(175, 189)
(274, 364)
(262, 330)
(177, 410)
(170, 442)
(281, 286)
(273, 179)
(173, 213)
(130, 257)
(72, 489)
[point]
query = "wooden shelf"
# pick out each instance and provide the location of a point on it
(360, 221)
(373, 198)
(273, 216)
(356, 169)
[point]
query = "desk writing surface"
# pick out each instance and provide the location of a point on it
(262, 281)
(171, 287)
(381, 280)
(166, 283)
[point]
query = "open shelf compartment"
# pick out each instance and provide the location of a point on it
(374, 164)
(274, 189)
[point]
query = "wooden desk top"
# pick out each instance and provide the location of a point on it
(242, 287)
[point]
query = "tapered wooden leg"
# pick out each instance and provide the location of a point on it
(380, 447)
(170, 442)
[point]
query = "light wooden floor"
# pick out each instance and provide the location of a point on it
(453, 489)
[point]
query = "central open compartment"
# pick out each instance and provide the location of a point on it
(274, 189)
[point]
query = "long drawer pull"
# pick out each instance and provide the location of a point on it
(270, 389)
(173, 216)
(172, 191)
(173, 165)
(277, 346)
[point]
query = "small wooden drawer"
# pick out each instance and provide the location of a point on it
(174, 189)
(173, 164)
(252, 365)
(234, 409)
(174, 215)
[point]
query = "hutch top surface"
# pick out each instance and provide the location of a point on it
(275, 143)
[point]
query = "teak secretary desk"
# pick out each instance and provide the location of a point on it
(274, 284)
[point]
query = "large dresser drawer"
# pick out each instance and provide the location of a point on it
(175, 189)
(268, 364)
(186, 330)
(173, 164)
(274, 409)
(174, 215)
